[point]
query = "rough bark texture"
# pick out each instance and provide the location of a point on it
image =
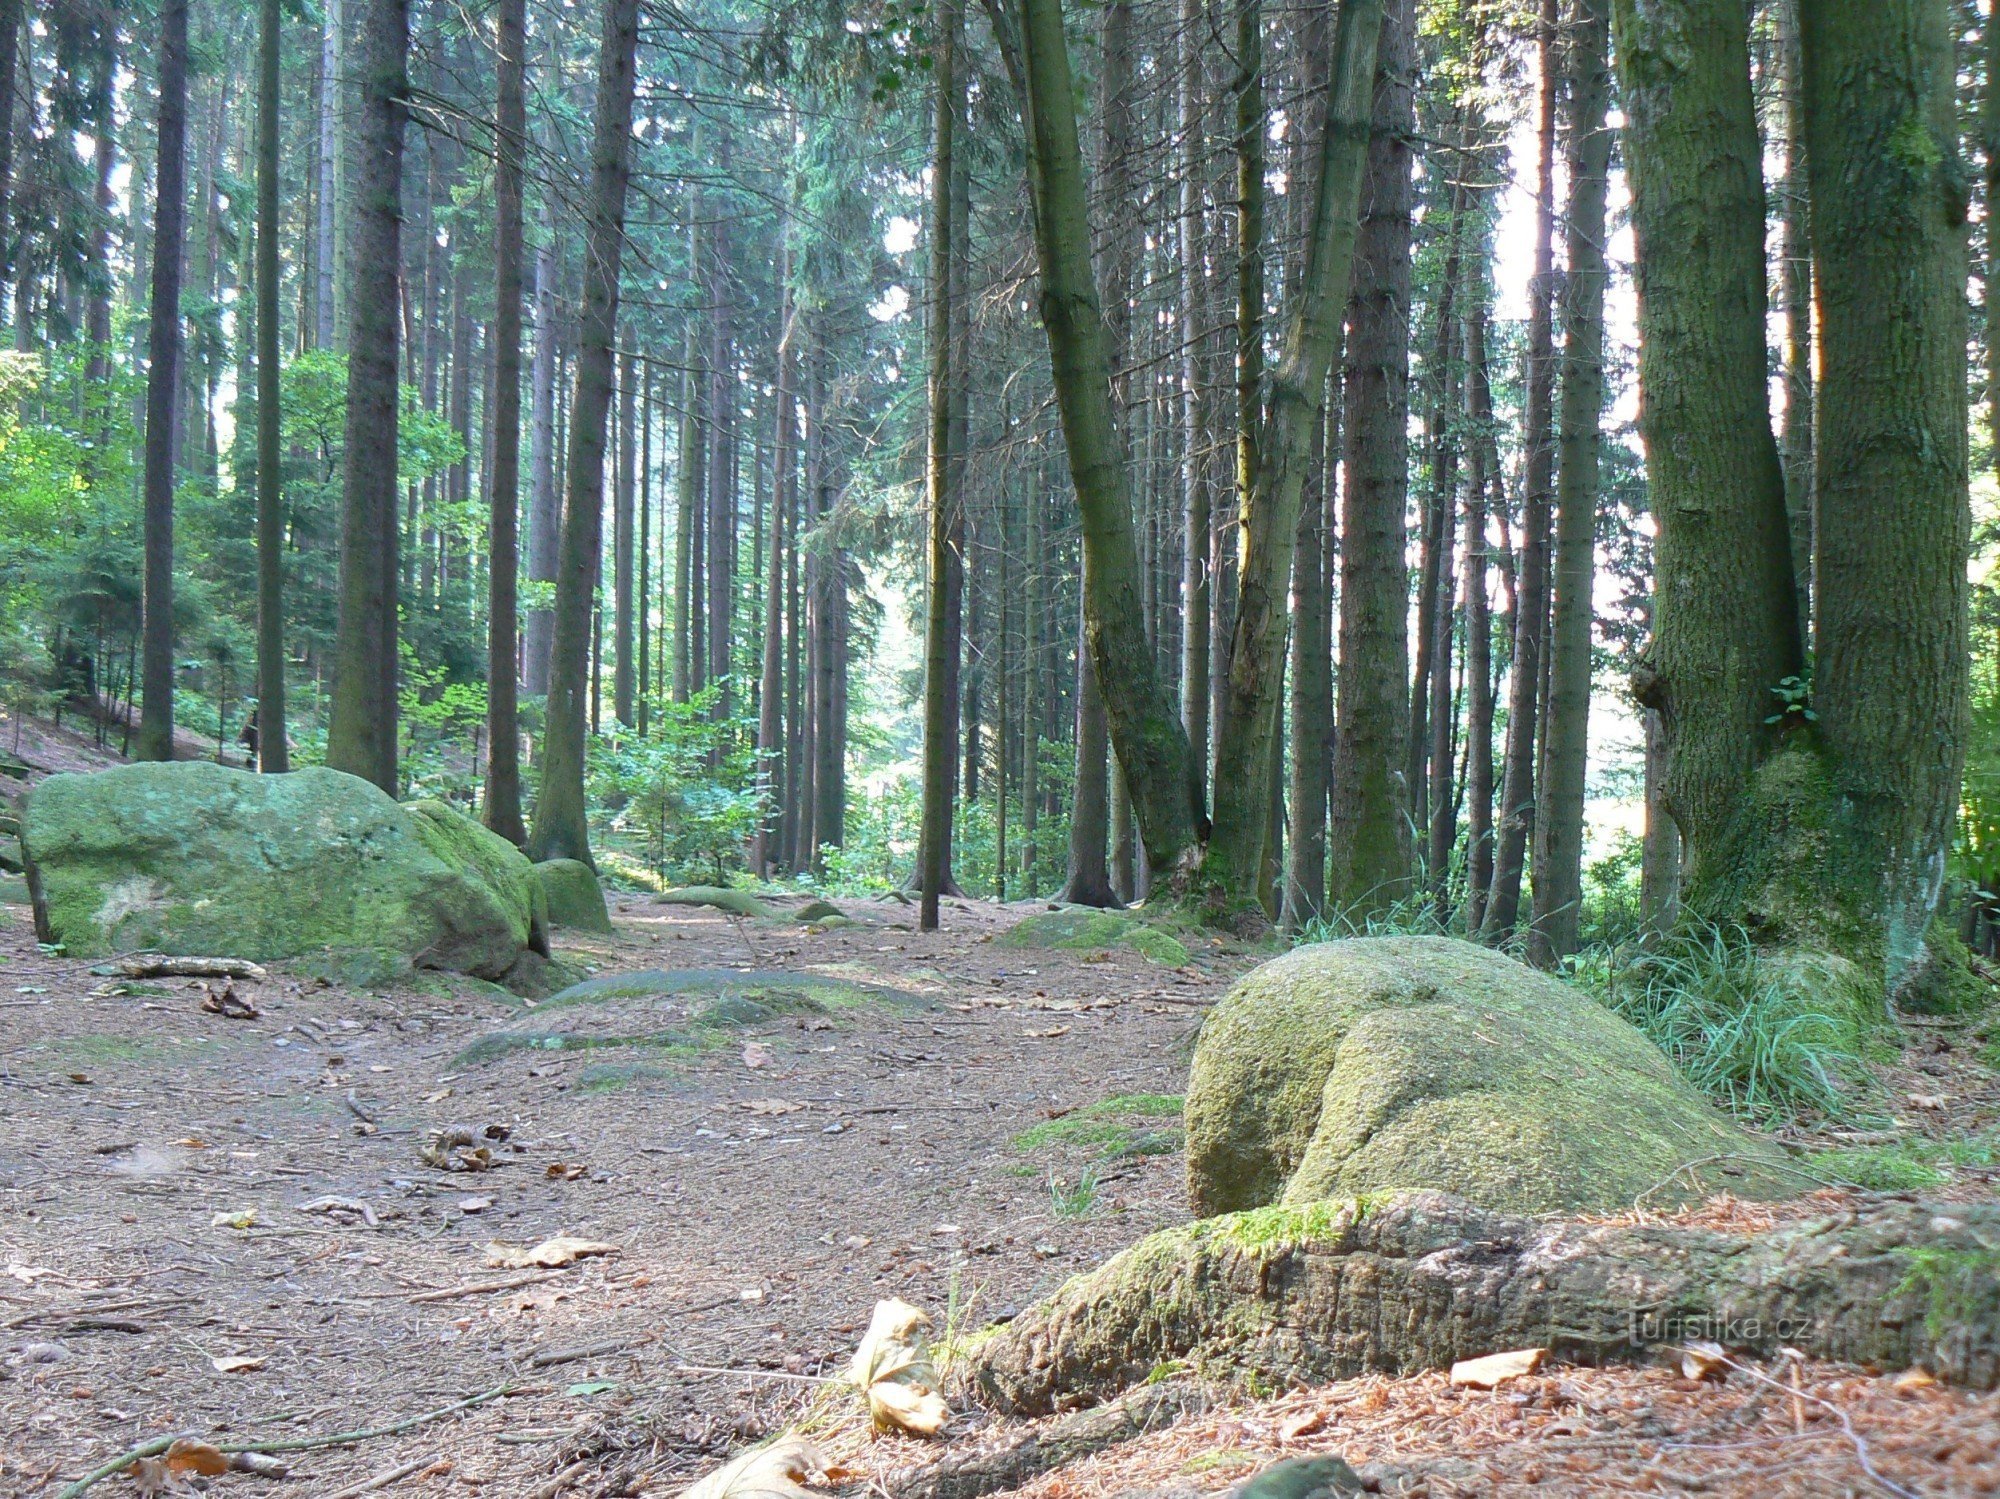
(156, 722)
(544, 509)
(1478, 612)
(1371, 801)
(941, 475)
(503, 728)
(361, 736)
(1418, 1280)
(1889, 246)
(561, 823)
(273, 752)
(1144, 725)
(1725, 625)
(1558, 902)
(1531, 597)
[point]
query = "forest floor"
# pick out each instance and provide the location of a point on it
(226, 1226)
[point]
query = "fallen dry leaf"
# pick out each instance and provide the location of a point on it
(779, 1471)
(227, 1003)
(1914, 1382)
(238, 1363)
(566, 1171)
(151, 1477)
(242, 1218)
(769, 1106)
(1304, 1424)
(1496, 1368)
(757, 1054)
(550, 1254)
(1049, 1034)
(893, 1368)
(1703, 1360)
(187, 1455)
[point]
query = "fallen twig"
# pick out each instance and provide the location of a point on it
(549, 1357)
(290, 1444)
(156, 966)
(342, 1205)
(482, 1287)
(714, 1371)
(1859, 1443)
(384, 1479)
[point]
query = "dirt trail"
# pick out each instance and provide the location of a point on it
(760, 1209)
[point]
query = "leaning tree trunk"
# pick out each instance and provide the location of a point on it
(503, 731)
(1338, 1289)
(562, 828)
(1371, 803)
(1889, 246)
(1284, 448)
(273, 751)
(1144, 726)
(156, 710)
(362, 730)
(1725, 624)
(1558, 900)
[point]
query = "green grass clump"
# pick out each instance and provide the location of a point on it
(1770, 1036)
(1881, 1168)
(1105, 1129)
(1073, 1200)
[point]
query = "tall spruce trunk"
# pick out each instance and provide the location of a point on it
(773, 758)
(156, 710)
(1196, 463)
(1558, 895)
(624, 541)
(1531, 593)
(1725, 622)
(562, 828)
(687, 499)
(1795, 441)
(334, 88)
(1296, 395)
(1478, 607)
(1144, 727)
(1890, 461)
(941, 479)
(273, 748)
(361, 733)
(544, 504)
(503, 729)
(10, 55)
(1371, 802)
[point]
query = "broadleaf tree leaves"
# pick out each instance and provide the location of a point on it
(550, 1254)
(893, 1369)
(780, 1471)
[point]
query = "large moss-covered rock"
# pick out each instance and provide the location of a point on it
(1086, 929)
(574, 896)
(197, 858)
(1389, 1063)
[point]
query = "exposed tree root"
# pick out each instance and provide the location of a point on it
(1419, 1280)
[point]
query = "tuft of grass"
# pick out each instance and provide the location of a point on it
(1414, 915)
(1878, 1168)
(1770, 1037)
(1073, 1200)
(1103, 1128)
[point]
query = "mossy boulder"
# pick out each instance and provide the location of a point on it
(1390, 1063)
(721, 897)
(682, 1012)
(197, 858)
(1084, 929)
(574, 897)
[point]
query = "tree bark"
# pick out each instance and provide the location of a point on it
(561, 822)
(1417, 1282)
(156, 720)
(544, 506)
(273, 748)
(1795, 442)
(503, 729)
(1889, 250)
(941, 476)
(1725, 624)
(1144, 726)
(1371, 802)
(1531, 594)
(1558, 899)
(1196, 464)
(1478, 608)
(624, 538)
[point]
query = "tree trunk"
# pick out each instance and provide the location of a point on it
(561, 823)
(10, 54)
(156, 720)
(771, 696)
(1089, 879)
(1558, 902)
(273, 750)
(1660, 854)
(1890, 649)
(1725, 625)
(687, 500)
(1421, 1280)
(1144, 727)
(544, 508)
(1371, 803)
(362, 732)
(624, 539)
(1196, 464)
(1795, 443)
(1531, 594)
(942, 479)
(503, 731)
(1478, 608)
(333, 88)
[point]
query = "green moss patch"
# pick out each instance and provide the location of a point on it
(1083, 929)
(1110, 1128)
(721, 897)
(1902, 1166)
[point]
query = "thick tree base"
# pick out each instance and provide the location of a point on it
(1416, 1281)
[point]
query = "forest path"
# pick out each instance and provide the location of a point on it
(760, 1210)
